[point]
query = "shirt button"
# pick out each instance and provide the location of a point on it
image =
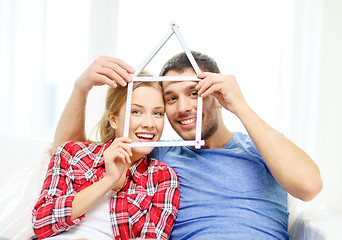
(112, 210)
(117, 237)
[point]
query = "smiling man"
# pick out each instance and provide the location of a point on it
(236, 186)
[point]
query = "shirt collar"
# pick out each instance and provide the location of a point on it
(138, 168)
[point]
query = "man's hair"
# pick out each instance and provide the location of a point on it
(180, 63)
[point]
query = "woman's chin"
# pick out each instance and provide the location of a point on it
(142, 150)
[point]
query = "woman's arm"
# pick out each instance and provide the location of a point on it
(117, 159)
(61, 204)
(104, 70)
(52, 211)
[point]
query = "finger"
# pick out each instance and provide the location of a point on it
(202, 76)
(127, 149)
(112, 75)
(205, 84)
(125, 146)
(105, 80)
(117, 69)
(124, 65)
(211, 90)
(124, 157)
(119, 62)
(122, 143)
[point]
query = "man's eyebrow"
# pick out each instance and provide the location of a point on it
(191, 87)
(167, 92)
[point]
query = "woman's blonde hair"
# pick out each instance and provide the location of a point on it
(115, 100)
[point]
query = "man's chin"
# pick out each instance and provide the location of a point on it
(187, 136)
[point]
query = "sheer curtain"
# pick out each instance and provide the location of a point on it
(316, 102)
(44, 46)
(22, 61)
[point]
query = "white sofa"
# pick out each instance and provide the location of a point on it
(23, 166)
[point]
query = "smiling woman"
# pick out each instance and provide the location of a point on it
(109, 179)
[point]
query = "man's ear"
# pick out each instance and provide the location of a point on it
(112, 121)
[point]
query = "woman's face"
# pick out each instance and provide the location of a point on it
(147, 117)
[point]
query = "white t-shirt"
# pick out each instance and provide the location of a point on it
(94, 226)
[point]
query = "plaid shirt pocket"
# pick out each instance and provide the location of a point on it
(138, 205)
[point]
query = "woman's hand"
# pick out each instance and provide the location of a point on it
(116, 156)
(105, 70)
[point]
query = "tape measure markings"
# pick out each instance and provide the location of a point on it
(197, 142)
(198, 71)
(168, 78)
(166, 143)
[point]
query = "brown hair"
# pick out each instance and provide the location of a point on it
(115, 100)
(180, 63)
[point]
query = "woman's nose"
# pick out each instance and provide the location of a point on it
(148, 121)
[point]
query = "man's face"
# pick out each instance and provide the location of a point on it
(181, 107)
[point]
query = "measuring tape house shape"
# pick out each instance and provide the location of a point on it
(198, 142)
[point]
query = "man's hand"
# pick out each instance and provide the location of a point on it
(116, 156)
(224, 87)
(105, 70)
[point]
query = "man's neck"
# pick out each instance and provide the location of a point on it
(219, 139)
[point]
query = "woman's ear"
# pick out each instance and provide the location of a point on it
(112, 121)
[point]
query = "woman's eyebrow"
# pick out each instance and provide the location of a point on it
(141, 106)
(137, 105)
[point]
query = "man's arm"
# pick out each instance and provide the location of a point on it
(104, 70)
(292, 168)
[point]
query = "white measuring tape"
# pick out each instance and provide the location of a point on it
(197, 142)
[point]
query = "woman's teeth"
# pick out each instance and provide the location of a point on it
(145, 136)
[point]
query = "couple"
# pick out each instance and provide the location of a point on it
(235, 187)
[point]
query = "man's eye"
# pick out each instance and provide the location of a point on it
(194, 94)
(171, 99)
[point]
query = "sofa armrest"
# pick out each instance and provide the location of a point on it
(24, 164)
(313, 221)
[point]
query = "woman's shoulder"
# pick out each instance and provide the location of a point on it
(75, 146)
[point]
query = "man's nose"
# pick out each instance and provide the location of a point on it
(184, 104)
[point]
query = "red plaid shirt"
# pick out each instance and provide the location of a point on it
(145, 207)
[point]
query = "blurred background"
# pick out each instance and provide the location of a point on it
(285, 54)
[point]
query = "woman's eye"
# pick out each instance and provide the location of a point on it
(159, 114)
(136, 112)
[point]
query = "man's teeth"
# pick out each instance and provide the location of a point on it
(188, 121)
(149, 136)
